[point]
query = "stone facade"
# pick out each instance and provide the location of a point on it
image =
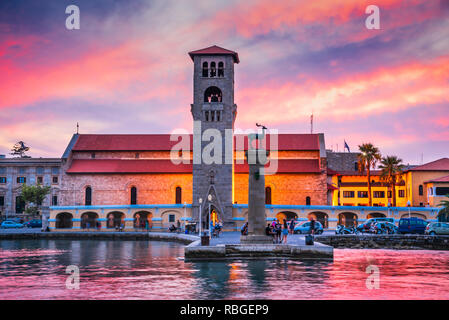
(14, 172)
(213, 179)
(286, 189)
(342, 161)
(112, 189)
(302, 182)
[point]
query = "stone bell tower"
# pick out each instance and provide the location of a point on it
(213, 111)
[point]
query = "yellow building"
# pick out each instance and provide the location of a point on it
(353, 190)
(418, 186)
(427, 183)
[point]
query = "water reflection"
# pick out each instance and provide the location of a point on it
(35, 269)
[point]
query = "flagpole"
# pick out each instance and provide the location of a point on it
(311, 123)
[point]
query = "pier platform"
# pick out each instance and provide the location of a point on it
(195, 251)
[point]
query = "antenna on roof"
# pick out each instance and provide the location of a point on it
(311, 123)
(77, 128)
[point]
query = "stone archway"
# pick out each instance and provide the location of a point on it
(414, 215)
(143, 220)
(321, 217)
(375, 215)
(115, 219)
(214, 215)
(348, 219)
(286, 215)
(64, 220)
(89, 220)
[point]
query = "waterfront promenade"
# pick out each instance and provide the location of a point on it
(328, 238)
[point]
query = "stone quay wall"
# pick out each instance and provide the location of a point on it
(413, 241)
(153, 236)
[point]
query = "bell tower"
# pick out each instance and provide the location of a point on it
(214, 112)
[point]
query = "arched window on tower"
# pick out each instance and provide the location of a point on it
(213, 69)
(88, 196)
(178, 195)
(205, 69)
(421, 190)
(133, 195)
(220, 69)
(307, 201)
(212, 94)
(268, 195)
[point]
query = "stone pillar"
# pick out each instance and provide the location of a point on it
(256, 199)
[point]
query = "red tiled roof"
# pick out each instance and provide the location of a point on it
(127, 166)
(161, 142)
(285, 142)
(215, 50)
(286, 166)
(437, 165)
(442, 179)
(124, 142)
(358, 173)
(166, 166)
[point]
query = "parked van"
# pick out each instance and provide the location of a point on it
(412, 225)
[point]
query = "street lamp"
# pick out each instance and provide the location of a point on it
(185, 205)
(209, 197)
(408, 205)
(200, 201)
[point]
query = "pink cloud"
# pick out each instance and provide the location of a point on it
(125, 71)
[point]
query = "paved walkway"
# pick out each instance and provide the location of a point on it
(234, 237)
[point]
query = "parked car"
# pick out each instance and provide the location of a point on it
(366, 226)
(385, 227)
(7, 224)
(434, 228)
(305, 228)
(35, 223)
(412, 225)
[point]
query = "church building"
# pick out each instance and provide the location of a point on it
(131, 179)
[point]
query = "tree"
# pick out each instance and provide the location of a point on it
(391, 169)
(34, 196)
(367, 159)
(19, 149)
(443, 215)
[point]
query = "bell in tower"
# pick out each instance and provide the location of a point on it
(213, 110)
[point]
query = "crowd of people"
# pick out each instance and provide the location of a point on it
(280, 231)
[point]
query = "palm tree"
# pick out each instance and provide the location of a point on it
(392, 168)
(443, 215)
(367, 159)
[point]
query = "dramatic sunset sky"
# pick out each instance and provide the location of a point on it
(127, 70)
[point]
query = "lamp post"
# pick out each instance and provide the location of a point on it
(185, 205)
(209, 197)
(200, 201)
(408, 205)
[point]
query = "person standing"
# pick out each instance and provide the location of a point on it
(292, 226)
(312, 226)
(278, 229)
(285, 232)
